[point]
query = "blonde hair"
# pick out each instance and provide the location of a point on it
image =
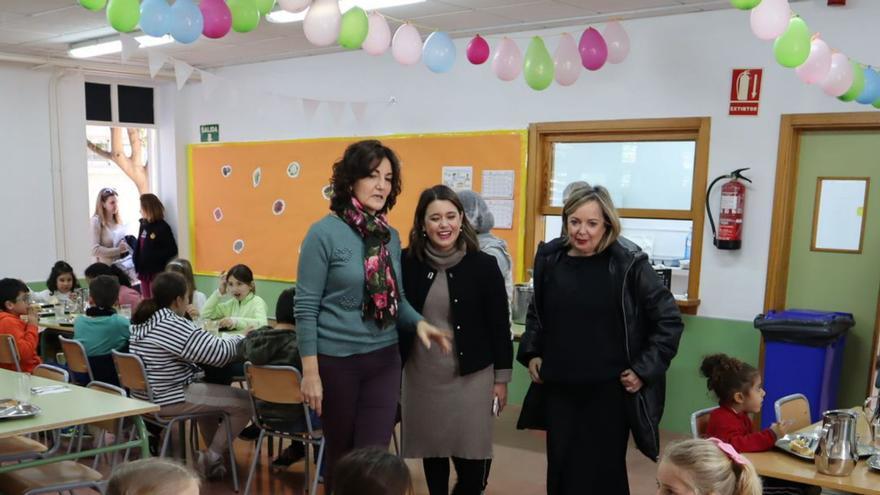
(153, 476)
(583, 195)
(103, 195)
(711, 470)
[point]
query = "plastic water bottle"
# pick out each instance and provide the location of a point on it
(687, 247)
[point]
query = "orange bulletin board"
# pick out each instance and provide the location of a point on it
(236, 190)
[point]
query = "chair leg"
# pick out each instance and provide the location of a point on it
(131, 436)
(396, 442)
(167, 432)
(98, 444)
(232, 465)
(308, 459)
(254, 461)
(318, 466)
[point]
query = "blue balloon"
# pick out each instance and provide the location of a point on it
(155, 17)
(872, 87)
(439, 52)
(186, 21)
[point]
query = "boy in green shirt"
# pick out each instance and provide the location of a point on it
(101, 330)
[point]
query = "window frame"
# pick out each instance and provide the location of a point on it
(542, 137)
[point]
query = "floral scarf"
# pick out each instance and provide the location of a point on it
(380, 286)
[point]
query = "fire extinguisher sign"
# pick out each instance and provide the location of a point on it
(745, 91)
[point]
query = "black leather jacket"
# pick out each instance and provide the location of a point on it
(652, 324)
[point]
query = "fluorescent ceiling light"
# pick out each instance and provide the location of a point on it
(96, 48)
(283, 16)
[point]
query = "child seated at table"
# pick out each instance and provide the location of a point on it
(127, 295)
(235, 303)
(15, 303)
(60, 285)
(101, 330)
(196, 298)
(697, 467)
(154, 476)
(374, 471)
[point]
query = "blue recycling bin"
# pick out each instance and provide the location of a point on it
(803, 354)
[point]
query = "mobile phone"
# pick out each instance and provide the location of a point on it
(495, 406)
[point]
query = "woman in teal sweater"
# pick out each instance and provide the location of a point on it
(350, 306)
(243, 310)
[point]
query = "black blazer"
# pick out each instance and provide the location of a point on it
(480, 314)
(159, 247)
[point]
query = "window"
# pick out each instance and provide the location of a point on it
(111, 103)
(656, 173)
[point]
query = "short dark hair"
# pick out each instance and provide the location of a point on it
(59, 269)
(152, 207)
(166, 288)
(371, 471)
(104, 290)
(359, 161)
(242, 273)
(418, 242)
(284, 306)
(99, 268)
(10, 288)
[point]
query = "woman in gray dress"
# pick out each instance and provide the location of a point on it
(449, 400)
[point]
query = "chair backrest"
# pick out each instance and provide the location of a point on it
(700, 421)
(274, 385)
(9, 351)
(111, 425)
(75, 354)
(132, 373)
(51, 372)
(794, 408)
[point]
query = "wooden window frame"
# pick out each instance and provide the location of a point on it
(542, 136)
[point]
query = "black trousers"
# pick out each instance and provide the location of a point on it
(472, 474)
(587, 435)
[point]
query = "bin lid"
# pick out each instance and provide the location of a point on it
(804, 326)
(807, 315)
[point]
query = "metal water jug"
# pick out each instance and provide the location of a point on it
(837, 451)
(522, 296)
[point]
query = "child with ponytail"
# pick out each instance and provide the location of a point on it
(698, 467)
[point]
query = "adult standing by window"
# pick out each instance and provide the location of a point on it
(600, 334)
(350, 304)
(448, 399)
(155, 245)
(108, 233)
(482, 220)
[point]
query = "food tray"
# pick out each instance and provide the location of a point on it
(874, 462)
(811, 438)
(11, 409)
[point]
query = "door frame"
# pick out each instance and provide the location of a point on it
(791, 128)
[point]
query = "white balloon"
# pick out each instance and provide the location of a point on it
(379, 35)
(770, 19)
(617, 41)
(321, 25)
(406, 46)
(294, 5)
(508, 61)
(818, 64)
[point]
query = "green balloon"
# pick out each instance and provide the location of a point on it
(538, 67)
(876, 103)
(353, 28)
(857, 86)
(265, 6)
(245, 15)
(94, 5)
(745, 4)
(123, 15)
(793, 48)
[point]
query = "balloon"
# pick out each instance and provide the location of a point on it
(294, 5)
(793, 48)
(876, 104)
(439, 52)
(378, 35)
(123, 15)
(155, 17)
(770, 19)
(353, 28)
(94, 5)
(538, 66)
(840, 77)
(186, 21)
(617, 41)
(406, 46)
(594, 50)
(217, 18)
(818, 64)
(265, 6)
(478, 50)
(322, 21)
(245, 16)
(567, 61)
(857, 85)
(507, 62)
(872, 87)
(745, 4)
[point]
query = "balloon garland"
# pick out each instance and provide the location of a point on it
(326, 25)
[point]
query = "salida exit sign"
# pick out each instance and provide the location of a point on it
(210, 133)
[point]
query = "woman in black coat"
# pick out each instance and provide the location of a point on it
(600, 334)
(448, 398)
(155, 245)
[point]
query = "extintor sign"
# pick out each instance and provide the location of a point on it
(745, 91)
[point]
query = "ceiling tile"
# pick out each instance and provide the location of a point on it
(16, 37)
(541, 11)
(36, 6)
(483, 4)
(465, 20)
(608, 6)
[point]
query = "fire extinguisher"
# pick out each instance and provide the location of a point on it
(730, 220)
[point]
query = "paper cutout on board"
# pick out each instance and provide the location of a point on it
(502, 211)
(226, 170)
(278, 206)
(257, 176)
(238, 246)
(218, 214)
(293, 170)
(498, 184)
(327, 192)
(458, 178)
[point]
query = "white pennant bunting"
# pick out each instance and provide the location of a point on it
(209, 83)
(129, 46)
(156, 60)
(182, 71)
(336, 109)
(310, 107)
(359, 109)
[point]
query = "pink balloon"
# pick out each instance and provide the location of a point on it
(818, 64)
(406, 46)
(507, 63)
(379, 35)
(770, 19)
(478, 50)
(218, 18)
(567, 61)
(617, 41)
(840, 77)
(294, 5)
(594, 50)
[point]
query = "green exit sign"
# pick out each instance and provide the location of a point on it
(210, 133)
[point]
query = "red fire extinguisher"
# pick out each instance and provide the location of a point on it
(730, 220)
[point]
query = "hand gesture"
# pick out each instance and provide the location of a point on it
(535, 369)
(631, 381)
(429, 333)
(222, 287)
